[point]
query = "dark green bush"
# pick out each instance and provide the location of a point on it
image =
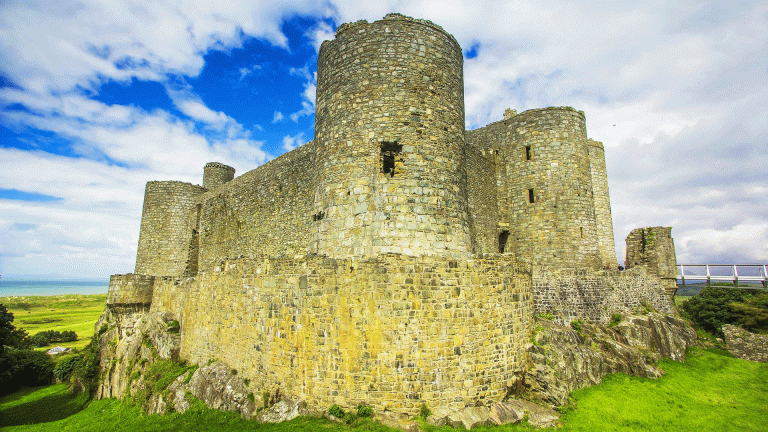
(752, 313)
(24, 368)
(336, 411)
(711, 308)
(65, 367)
(364, 411)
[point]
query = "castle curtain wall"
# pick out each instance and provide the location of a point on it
(267, 211)
(395, 332)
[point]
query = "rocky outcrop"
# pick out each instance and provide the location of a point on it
(129, 344)
(746, 345)
(563, 359)
(511, 411)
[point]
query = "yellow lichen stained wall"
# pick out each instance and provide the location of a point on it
(394, 332)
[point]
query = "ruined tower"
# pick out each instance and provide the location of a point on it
(389, 130)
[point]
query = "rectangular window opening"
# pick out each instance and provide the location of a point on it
(390, 155)
(528, 153)
(531, 198)
(503, 236)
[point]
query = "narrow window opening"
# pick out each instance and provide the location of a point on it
(503, 236)
(531, 198)
(581, 231)
(527, 152)
(390, 155)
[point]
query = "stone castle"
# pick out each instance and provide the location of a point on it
(397, 259)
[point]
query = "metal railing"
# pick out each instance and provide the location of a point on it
(750, 276)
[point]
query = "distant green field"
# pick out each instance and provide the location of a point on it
(709, 392)
(72, 312)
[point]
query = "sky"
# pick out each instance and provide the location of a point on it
(99, 97)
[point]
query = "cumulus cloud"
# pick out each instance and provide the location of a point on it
(291, 142)
(277, 117)
(308, 99)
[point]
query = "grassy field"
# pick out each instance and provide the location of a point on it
(710, 392)
(72, 312)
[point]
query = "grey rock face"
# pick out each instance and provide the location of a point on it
(562, 360)
(215, 385)
(511, 411)
(285, 410)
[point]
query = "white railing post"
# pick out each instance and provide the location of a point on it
(682, 274)
(708, 276)
(735, 276)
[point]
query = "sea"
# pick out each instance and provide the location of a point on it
(46, 288)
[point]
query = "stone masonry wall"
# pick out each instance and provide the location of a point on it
(746, 345)
(603, 219)
(548, 163)
(653, 248)
(389, 127)
(483, 203)
(267, 211)
(130, 289)
(490, 139)
(394, 332)
(592, 296)
(166, 231)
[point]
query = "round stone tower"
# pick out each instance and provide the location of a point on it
(389, 127)
(216, 174)
(167, 228)
(603, 219)
(550, 189)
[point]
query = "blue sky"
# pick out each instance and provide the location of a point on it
(99, 97)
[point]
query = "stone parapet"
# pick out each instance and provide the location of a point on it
(593, 296)
(130, 289)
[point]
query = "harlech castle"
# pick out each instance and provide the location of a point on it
(397, 259)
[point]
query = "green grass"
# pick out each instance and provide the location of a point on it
(710, 392)
(73, 312)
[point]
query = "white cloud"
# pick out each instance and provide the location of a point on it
(291, 142)
(277, 117)
(244, 72)
(308, 102)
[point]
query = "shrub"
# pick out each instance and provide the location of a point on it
(615, 320)
(65, 367)
(24, 368)
(752, 313)
(364, 410)
(710, 309)
(173, 326)
(336, 411)
(424, 412)
(576, 325)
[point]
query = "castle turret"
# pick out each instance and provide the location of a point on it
(216, 174)
(168, 230)
(390, 132)
(550, 189)
(603, 219)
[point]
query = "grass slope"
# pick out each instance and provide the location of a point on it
(710, 392)
(73, 312)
